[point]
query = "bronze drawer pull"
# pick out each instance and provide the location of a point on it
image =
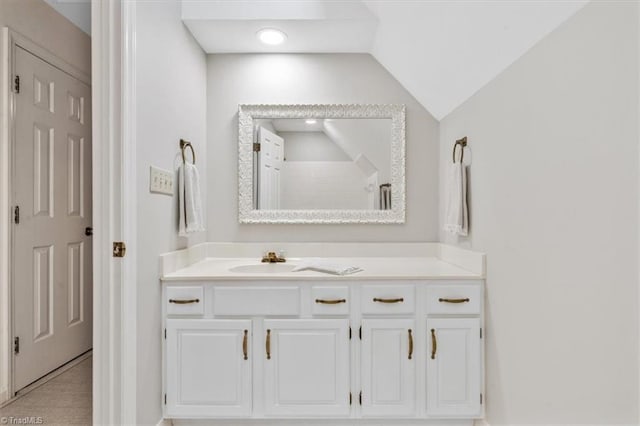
(268, 344)
(331, 301)
(183, 301)
(398, 300)
(410, 344)
(445, 300)
(244, 344)
(434, 344)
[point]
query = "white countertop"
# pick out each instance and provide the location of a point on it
(374, 268)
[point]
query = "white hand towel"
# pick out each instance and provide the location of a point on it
(190, 203)
(322, 265)
(456, 220)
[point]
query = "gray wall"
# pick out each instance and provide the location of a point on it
(311, 146)
(39, 22)
(171, 96)
(554, 204)
(307, 79)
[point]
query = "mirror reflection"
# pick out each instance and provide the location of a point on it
(322, 163)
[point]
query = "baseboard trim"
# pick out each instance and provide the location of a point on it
(164, 422)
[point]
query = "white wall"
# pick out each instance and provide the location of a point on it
(171, 96)
(308, 79)
(323, 185)
(38, 22)
(554, 190)
(311, 146)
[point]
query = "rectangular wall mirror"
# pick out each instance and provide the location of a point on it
(321, 163)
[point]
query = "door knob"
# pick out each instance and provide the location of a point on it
(88, 231)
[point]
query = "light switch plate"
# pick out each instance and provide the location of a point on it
(161, 181)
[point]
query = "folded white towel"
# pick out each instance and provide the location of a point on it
(323, 265)
(190, 203)
(456, 220)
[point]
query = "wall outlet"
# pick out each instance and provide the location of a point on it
(161, 181)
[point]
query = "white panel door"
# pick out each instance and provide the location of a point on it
(52, 280)
(306, 368)
(271, 159)
(388, 368)
(208, 368)
(453, 367)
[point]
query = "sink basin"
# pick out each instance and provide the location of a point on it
(263, 268)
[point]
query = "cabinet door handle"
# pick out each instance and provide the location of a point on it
(445, 300)
(410, 344)
(331, 301)
(184, 301)
(398, 300)
(244, 344)
(434, 344)
(268, 344)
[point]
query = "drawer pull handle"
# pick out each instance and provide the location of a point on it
(410, 344)
(244, 345)
(183, 301)
(434, 344)
(331, 301)
(268, 344)
(398, 300)
(445, 300)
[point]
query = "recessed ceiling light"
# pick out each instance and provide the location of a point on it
(271, 36)
(311, 121)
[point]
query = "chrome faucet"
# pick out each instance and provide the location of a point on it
(272, 257)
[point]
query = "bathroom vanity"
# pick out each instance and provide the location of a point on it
(403, 339)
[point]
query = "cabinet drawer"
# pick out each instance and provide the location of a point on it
(234, 301)
(453, 299)
(388, 299)
(330, 300)
(185, 300)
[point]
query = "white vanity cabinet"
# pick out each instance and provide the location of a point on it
(306, 367)
(334, 349)
(388, 370)
(209, 371)
(453, 367)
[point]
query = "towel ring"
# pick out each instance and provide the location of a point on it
(183, 146)
(462, 142)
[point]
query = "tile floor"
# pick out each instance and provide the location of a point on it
(63, 400)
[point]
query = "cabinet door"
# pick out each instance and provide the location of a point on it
(208, 368)
(453, 367)
(306, 367)
(388, 368)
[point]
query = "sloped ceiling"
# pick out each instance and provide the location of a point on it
(76, 11)
(445, 51)
(442, 51)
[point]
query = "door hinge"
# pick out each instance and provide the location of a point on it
(16, 345)
(165, 399)
(360, 398)
(349, 333)
(165, 334)
(16, 215)
(481, 333)
(16, 84)
(360, 333)
(119, 249)
(350, 398)
(256, 147)
(480, 398)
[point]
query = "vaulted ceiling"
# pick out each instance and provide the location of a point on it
(445, 51)
(441, 51)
